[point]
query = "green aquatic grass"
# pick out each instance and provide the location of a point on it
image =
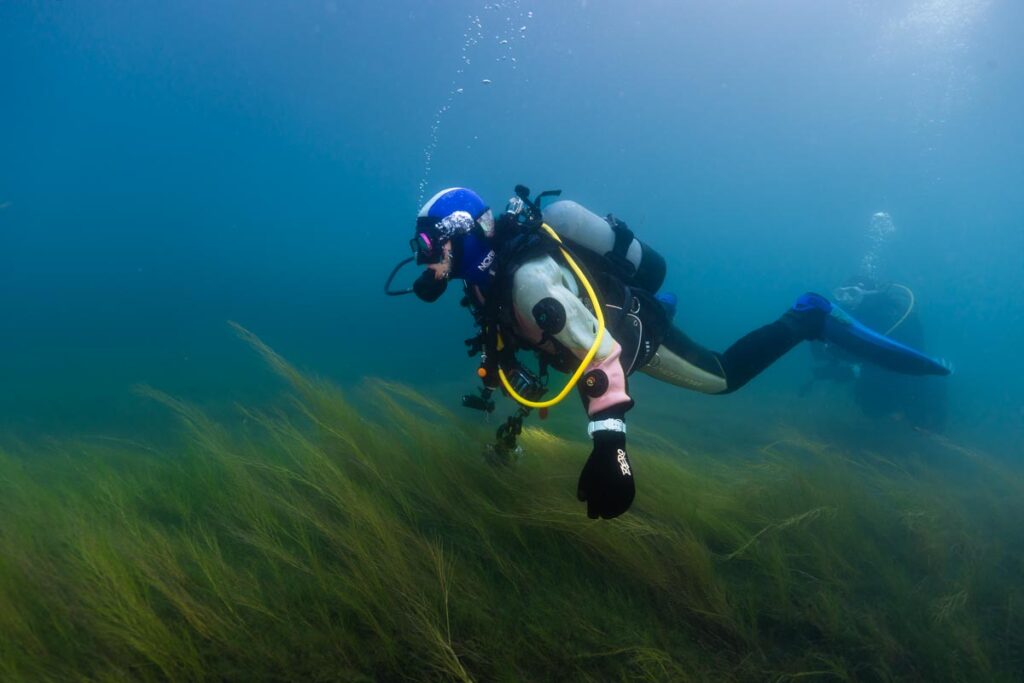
(364, 537)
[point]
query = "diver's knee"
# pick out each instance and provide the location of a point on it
(669, 367)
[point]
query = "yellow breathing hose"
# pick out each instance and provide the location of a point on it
(910, 307)
(590, 354)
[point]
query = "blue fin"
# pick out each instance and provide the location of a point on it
(845, 332)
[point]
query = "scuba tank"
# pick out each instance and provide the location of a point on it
(634, 262)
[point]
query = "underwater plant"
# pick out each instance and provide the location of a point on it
(332, 539)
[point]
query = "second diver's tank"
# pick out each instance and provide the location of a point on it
(581, 226)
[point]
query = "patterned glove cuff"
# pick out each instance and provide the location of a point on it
(610, 425)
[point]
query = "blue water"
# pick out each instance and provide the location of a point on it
(167, 167)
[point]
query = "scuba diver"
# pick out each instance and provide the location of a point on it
(582, 292)
(889, 308)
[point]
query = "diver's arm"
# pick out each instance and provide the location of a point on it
(545, 307)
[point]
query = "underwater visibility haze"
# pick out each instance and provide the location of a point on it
(225, 454)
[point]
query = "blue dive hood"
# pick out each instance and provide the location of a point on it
(475, 260)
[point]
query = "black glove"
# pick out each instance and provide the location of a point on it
(606, 482)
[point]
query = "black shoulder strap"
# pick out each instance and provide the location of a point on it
(623, 240)
(623, 237)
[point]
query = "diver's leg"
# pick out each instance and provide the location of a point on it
(681, 361)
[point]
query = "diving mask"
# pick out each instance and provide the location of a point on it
(432, 234)
(423, 248)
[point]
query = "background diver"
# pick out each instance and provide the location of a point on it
(582, 293)
(891, 309)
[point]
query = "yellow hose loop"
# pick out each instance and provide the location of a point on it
(590, 354)
(910, 306)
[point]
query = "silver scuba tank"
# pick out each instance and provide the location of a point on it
(581, 226)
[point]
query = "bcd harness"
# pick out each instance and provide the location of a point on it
(524, 237)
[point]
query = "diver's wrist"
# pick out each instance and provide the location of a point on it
(609, 425)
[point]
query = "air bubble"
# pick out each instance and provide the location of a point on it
(507, 26)
(879, 230)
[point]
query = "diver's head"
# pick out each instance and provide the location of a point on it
(850, 295)
(452, 238)
(446, 215)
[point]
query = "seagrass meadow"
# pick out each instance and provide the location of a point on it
(332, 539)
